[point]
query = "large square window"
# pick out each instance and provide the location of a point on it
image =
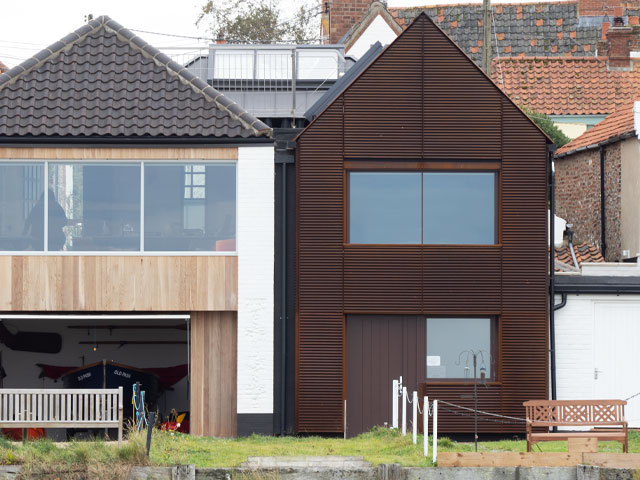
(94, 207)
(451, 343)
(384, 207)
(459, 208)
(190, 207)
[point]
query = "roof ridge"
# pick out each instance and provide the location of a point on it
(468, 4)
(147, 50)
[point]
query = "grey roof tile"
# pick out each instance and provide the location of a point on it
(102, 81)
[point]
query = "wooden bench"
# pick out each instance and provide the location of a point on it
(577, 413)
(61, 408)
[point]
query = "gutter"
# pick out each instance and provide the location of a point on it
(604, 143)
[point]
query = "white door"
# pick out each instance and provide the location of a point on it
(617, 362)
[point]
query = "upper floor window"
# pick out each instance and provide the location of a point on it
(117, 206)
(422, 207)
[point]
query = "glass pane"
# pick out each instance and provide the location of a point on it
(95, 207)
(175, 220)
(459, 208)
(448, 338)
(384, 207)
(273, 65)
(22, 207)
(318, 64)
(233, 64)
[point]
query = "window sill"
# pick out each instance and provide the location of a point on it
(461, 382)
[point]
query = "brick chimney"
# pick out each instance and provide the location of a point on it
(3, 68)
(340, 15)
(620, 40)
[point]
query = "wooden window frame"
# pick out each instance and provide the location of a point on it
(372, 166)
(494, 379)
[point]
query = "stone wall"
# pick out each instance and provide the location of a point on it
(578, 197)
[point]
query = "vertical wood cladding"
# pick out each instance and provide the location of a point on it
(422, 99)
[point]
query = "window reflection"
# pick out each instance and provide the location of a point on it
(22, 207)
(94, 207)
(190, 207)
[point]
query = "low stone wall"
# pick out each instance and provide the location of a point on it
(381, 472)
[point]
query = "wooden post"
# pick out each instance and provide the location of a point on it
(486, 30)
(120, 414)
(435, 431)
(394, 404)
(415, 418)
(425, 425)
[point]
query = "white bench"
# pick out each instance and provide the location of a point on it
(61, 408)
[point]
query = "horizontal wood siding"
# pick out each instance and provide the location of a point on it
(421, 100)
(118, 283)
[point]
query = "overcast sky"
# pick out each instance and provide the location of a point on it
(29, 25)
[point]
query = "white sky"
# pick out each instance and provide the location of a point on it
(27, 26)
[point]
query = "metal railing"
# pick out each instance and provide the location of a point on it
(267, 80)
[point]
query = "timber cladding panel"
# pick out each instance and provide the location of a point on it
(214, 360)
(118, 283)
(421, 100)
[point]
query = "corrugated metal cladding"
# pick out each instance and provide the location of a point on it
(422, 99)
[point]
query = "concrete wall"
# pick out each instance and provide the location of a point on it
(630, 210)
(255, 280)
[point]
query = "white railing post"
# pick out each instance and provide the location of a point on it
(394, 404)
(415, 418)
(425, 425)
(404, 411)
(435, 431)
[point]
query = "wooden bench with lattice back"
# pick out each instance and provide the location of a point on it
(606, 415)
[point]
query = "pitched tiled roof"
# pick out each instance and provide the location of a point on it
(566, 86)
(521, 29)
(102, 80)
(585, 253)
(618, 125)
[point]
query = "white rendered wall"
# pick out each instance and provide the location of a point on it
(255, 279)
(377, 31)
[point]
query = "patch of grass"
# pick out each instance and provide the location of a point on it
(97, 459)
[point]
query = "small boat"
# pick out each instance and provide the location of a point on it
(107, 374)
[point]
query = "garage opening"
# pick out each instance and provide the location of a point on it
(100, 351)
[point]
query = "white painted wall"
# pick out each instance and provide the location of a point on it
(377, 31)
(580, 349)
(255, 278)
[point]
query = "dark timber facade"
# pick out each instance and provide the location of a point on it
(421, 106)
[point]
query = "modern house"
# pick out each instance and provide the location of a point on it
(136, 226)
(421, 213)
(597, 184)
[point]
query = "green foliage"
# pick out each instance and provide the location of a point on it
(258, 21)
(545, 123)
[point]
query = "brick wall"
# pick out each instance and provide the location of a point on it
(343, 15)
(599, 7)
(578, 197)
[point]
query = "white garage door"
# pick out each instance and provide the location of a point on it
(617, 355)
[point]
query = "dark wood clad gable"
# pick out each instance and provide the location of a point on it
(421, 101)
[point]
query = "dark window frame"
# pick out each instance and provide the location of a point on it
(494, 337)
(423, 167)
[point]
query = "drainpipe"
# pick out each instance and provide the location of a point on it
(552, 300)
(283, 300)
(603, 220)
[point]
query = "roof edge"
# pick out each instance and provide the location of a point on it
(603, 143)
(162, 60)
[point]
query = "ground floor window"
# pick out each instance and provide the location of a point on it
(452, 343)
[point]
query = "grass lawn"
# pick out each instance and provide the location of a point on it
(106, 460)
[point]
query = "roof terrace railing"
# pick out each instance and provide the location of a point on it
(289, 78)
